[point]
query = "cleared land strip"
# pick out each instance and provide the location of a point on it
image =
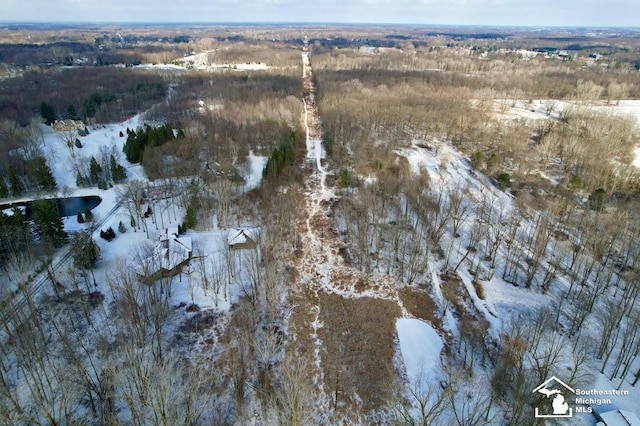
(343, 319)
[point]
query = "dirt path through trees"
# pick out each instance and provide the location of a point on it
(343, 320)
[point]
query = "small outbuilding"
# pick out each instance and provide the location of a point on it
(243, 238)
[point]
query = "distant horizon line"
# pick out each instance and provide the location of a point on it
(309, 23)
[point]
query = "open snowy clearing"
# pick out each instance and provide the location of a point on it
(200, 61)
(541, 109)
(207, 67)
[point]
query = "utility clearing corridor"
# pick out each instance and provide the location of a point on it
(343, 321)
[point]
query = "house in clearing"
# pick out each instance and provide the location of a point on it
(169, 255)
(68, 126)
(243, 238)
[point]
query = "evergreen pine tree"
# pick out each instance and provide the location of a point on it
(17, 188)
(108, 235)
(132, 148)
(80, 180)
(4, 191)
(45, 178)
(190, 218)
(142, 136)
(94, 171)
(72, 113)
(48, 223)
(88, 216)
(85, 251)
(153, 137)
(16, 234)
(48, 112)
(118, 173)
(168, 133)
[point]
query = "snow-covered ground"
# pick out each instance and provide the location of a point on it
(200, 61)
(100, 138)
(252, 170)
(538, 108)
(503, 303)
(420, 345)
(124, 248)
(370, 50)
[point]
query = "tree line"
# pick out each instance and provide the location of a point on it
(72, 94)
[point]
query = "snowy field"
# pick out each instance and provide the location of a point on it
(538, 108)
(200, 61)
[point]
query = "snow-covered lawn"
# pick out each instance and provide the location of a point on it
(100, 138)
(252, 170)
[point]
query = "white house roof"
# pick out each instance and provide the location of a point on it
(185, 242)
(168, 233)
(238, 236)
(163, 259)
(168, 253)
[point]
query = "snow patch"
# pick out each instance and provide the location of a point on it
(636, 160)
(420, 346)
(253, 170)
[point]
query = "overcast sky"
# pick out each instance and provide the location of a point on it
(452, 12)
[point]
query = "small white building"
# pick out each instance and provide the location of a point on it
(243, 238)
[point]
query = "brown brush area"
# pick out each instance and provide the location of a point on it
(419, 303)
(358, 349)
(455, 292)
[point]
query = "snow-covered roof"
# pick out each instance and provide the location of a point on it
(168, 234)
(238, 236)
(169, 253)
(162, 259)
(185, 242)
(67, 125)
